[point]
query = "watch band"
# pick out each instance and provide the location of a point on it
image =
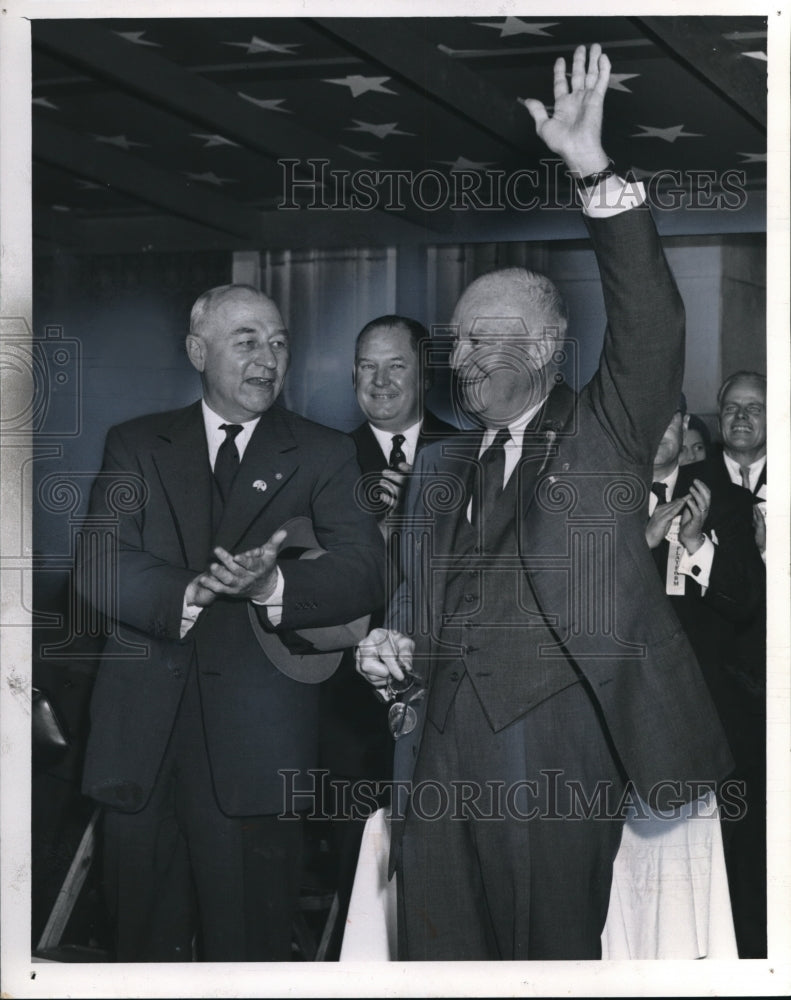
(590, 181)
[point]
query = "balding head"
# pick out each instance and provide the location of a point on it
(239, 344)
(509, 324)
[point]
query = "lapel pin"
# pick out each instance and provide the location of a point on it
(278, 475)
(259, 485)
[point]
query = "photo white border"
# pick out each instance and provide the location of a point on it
(664, 978)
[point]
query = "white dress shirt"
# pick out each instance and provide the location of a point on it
(735, 470)
(409, 447)
(755, 469)
(697, 564)
(215, 436)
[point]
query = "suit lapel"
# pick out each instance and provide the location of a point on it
(182, 461)
(540, 443)
(458, 461)
(761, 481)
(270, 460)
(370, 456)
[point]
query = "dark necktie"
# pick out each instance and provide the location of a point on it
(660, 491)
(396, 453)
(227, 462)
(490, 485)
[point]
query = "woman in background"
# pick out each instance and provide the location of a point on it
(697, 442)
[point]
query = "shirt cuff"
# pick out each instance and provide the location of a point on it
(274, 603)
(189, 615)
(613, 196)
(698, 565)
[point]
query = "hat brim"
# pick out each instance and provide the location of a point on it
(326, 643)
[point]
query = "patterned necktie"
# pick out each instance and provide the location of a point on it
(396, 453)
(490, 486)
(660, 492)
(227, 462)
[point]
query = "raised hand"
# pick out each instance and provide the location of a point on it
(574, 129)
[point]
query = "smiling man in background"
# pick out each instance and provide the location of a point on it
(391, 383)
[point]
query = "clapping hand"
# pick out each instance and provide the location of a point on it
(391, 485)
(696, 509)
(659, 522)
(251, 575)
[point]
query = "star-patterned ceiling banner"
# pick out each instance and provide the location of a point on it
(359, 85)
(285, 87)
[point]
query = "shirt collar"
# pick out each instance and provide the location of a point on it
(734, 468)
(215, 435)
(670, 481)
(516, 429)
(409, 447)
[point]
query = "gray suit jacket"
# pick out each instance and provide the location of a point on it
(582, 504)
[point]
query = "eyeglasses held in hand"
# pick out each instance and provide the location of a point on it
(402, 717)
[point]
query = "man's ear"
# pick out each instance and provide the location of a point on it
(195, 352)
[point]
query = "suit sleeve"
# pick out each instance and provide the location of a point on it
(635, 390)
(348, 581)
(115, 574)
(738, 576)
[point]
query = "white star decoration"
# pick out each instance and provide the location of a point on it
(257, 45)
(462, 163)
(213, 140)
(668, 134)
(380, 131)
(45, 102)
(761, 56)
(360, 152)
(362, 84)
(271, 105)
(617, 81)
(753, 157)
(136, 38)
(211, 178)
(118, 140)
(516, 26)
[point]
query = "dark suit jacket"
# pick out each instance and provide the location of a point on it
(635, 659)
(749, 649)
(721, 477)
(355, 739)
(714, 620)
(256, 719)
(372, 458)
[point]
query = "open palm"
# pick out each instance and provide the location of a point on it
(574, 129)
